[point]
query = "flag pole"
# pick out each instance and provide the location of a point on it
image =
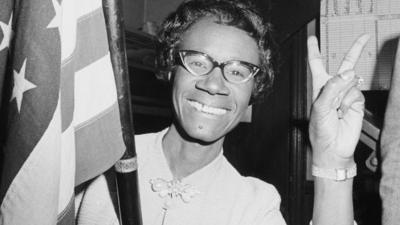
(126, 167)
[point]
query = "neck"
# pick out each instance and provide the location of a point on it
(184, 156)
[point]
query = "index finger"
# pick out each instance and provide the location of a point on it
(314, 56)
(318, 72)
(354, 53)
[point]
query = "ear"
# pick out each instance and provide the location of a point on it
(246, 117)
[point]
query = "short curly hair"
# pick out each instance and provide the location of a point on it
(237, 13)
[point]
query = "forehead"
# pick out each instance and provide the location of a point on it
(220, 41)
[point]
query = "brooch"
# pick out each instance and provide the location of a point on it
(173, 189)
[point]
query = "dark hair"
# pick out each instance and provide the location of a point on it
(240, 14)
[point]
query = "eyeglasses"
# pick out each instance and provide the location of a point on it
(200, 64)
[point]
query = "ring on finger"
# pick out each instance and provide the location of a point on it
(360, 82)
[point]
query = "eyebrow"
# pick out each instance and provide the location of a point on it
(213, 58)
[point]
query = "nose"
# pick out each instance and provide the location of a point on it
(214, 83)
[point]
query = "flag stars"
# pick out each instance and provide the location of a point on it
(20, 85)
(7, 34)
(56, 21)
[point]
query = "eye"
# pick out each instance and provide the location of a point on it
(197, 64)
(236, 73)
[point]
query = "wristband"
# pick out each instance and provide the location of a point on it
(341, 174)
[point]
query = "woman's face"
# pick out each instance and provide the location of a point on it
(208, 107)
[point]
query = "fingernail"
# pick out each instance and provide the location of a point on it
(336, 103)
(347, 75)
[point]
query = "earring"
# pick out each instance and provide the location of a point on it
(169, 75)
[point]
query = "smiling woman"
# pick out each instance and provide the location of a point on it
(217, 57)
(212, 92)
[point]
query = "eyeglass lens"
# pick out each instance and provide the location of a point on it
(200, 64)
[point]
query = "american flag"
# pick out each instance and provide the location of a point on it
(59, 112)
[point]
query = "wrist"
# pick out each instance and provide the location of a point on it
(332, 161)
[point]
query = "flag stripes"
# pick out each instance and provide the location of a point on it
(42, 54)
(63, 124)
(90, 47)
(32, 197)
(105, 146)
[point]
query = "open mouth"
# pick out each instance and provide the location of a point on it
(207, 109)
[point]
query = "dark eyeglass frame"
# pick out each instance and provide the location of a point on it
(253, 68)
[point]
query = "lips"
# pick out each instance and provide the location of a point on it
(207, 108)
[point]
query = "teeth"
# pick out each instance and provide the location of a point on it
(196, 105)
(212, 110)
(207, 109)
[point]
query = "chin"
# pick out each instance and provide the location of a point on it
(203, 134)
(206, 137)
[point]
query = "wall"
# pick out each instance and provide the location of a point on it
(137, 12)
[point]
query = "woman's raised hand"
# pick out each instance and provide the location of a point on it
(338, 108)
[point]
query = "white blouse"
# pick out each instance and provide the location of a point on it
(214, 195)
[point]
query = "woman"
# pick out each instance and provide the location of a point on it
(217, 56)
